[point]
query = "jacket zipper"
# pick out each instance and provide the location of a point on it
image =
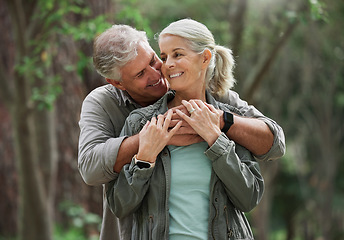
(150, 232)
(230, 232)
(216, 212)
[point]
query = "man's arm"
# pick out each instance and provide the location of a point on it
(260, 135)
(128, 149)
(253, 130)
(251, 133)
(101, 121)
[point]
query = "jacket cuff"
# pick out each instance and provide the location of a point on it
(277, 149)
(109, 157)
(221, 146)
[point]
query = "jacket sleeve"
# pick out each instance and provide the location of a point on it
(98, 144)
(278, 148)
(238, 171)
(125, 194)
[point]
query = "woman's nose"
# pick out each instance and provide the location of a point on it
(169, 63)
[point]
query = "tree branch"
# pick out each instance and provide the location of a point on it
(258, 78)
(237, 20)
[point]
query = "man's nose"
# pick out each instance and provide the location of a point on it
(155, 71)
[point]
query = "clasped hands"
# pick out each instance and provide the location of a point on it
(178, 127)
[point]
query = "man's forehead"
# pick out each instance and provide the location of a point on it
(144, 56)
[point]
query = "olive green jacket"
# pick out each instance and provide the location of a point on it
(236, 185)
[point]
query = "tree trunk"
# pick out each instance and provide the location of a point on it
(34, 222)
(237, 17)
(31, 133)
(261, 214)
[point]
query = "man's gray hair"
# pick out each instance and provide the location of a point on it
(114, 48)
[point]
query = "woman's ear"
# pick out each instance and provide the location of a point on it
(206, 57)
(117, 84)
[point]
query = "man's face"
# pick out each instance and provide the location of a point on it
(142, 78)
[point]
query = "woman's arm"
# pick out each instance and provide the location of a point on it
(238, 171)
(126, 193)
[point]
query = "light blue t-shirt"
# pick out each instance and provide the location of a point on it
(189, 196)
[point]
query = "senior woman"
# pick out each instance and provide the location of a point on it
(198, 191)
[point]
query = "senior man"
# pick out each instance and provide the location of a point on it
(123, 56)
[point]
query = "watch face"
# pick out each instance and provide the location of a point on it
(142, 164)
(228, 117)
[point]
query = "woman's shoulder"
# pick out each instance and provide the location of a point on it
(146, 113)
(222, 105)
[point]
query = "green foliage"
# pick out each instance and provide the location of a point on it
(318, 11)
(79, 221)
(131, 14)
(78, 215)
(35, 67)
(86, 30)
(70, 234)
(7, 238)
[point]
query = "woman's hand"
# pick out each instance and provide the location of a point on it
(154, 136)
(204, 119)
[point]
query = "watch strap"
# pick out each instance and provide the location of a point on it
(229, 121)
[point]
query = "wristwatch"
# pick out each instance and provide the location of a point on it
(143, 164)
(228, 119)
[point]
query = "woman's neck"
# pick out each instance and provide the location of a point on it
(179, 96)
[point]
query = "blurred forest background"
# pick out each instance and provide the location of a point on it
(290, 65)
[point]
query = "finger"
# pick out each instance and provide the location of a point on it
(183, 116)
(211, 107)
(204, 104)
(187, 105)
(167, 119)
(175, 129)
(146, 125)
(160, 120)
(181, 108)
(173, 123)
(194, 104)
(153, 121)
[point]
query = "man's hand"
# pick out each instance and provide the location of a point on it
(185, 127)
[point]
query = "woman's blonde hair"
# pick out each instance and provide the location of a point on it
(219, 76)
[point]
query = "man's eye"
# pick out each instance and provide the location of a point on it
(140, 74)
(163, 59)
(153, 62)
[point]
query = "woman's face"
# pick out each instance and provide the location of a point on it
(182, 67)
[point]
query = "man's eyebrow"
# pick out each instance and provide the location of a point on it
(153, 56)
